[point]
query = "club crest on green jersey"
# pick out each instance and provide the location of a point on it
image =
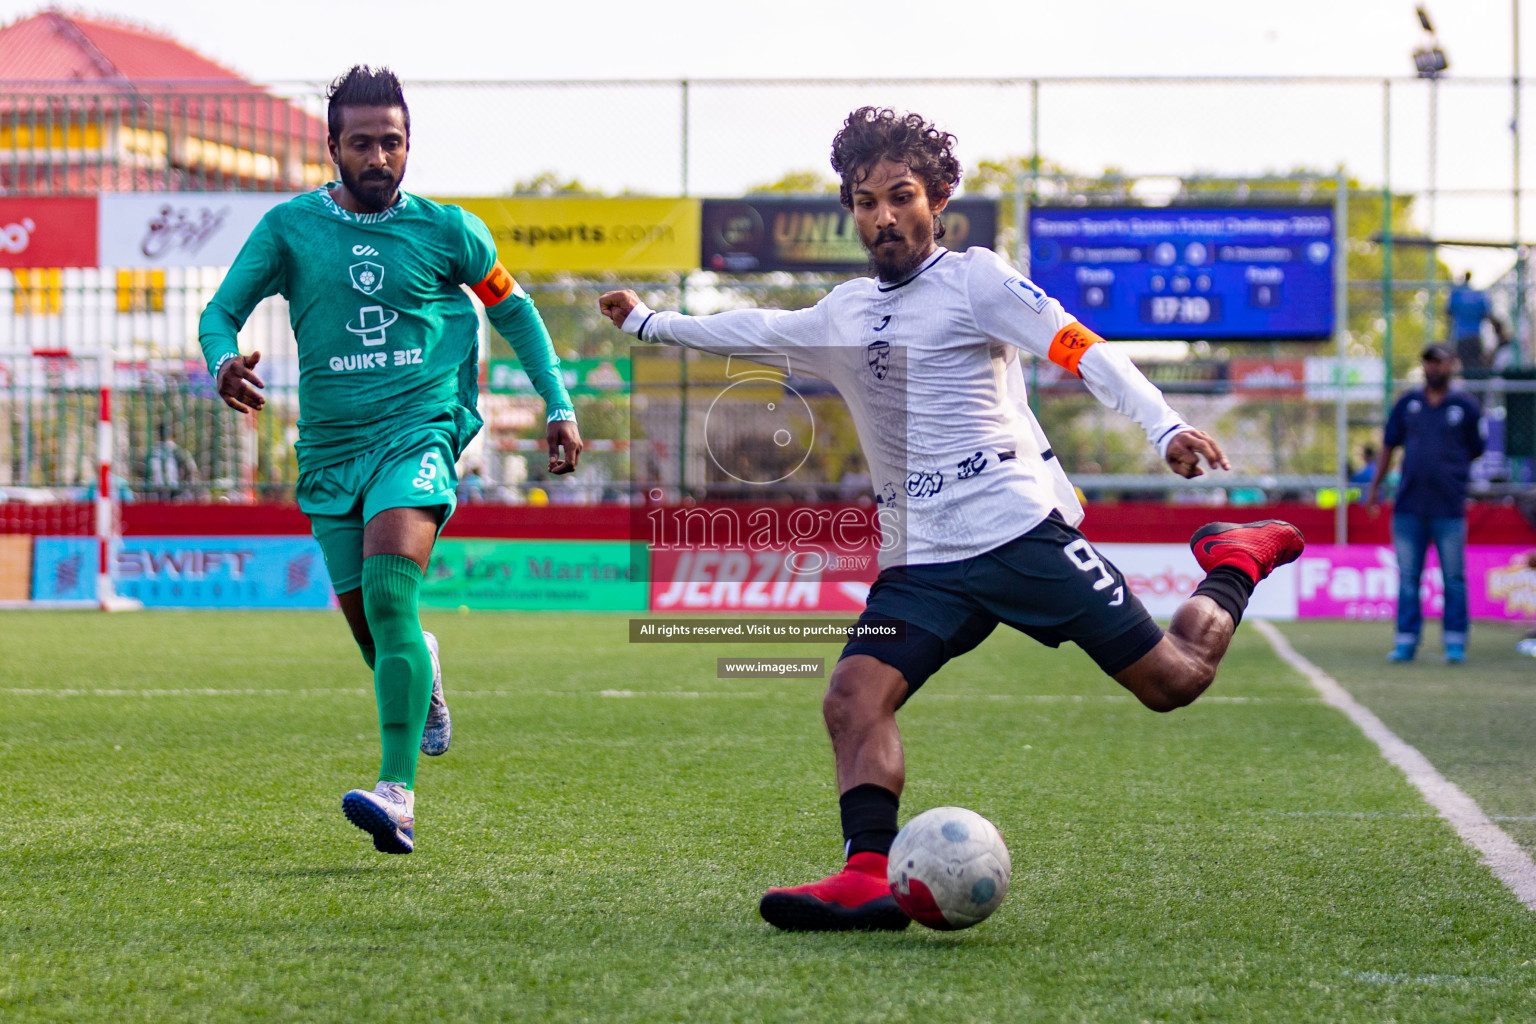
(366, 277)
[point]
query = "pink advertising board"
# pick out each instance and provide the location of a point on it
(1359, 581)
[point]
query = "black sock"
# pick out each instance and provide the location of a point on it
(1230, 588)
(869, 819)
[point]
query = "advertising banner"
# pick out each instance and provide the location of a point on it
(1353, 379)
(547, 575)
(15, 567)
(1266, 378)
(745, 580)
(1212, 272)
(48, 231)
(1164, 575)
(542, 233)
(582, 376)
(811, 233)
(179, 229)
(64, 568)
(1359, 581)
(222, 572)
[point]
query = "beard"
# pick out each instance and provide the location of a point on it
(373, 190)
(1437, 381)
(897, 262)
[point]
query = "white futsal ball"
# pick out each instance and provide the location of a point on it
(949, 868)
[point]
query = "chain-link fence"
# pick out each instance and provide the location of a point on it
(1424, 159)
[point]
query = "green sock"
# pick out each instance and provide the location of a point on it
(402, 672)
(369, 654)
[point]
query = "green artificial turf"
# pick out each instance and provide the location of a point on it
(1475, 722)
(177, 855)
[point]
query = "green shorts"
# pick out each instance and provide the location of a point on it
(414, 472)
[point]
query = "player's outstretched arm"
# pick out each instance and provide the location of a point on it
(517, 319)
(617, 306)
(733, 332)
(1186, 449)
(1010, 308)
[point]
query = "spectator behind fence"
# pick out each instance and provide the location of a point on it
(1441, 432)
(1466, 310)
(170, 474)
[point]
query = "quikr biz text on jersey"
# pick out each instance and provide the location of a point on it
(372, 360)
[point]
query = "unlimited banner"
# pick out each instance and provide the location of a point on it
(539, 233)
(752, 235)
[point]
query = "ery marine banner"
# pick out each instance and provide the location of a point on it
(812, 233)
(533, 574)
(552, 233)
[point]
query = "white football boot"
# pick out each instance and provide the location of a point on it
(439, 731)
(388, 813)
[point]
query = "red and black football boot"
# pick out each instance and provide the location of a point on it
(857, 898)
(1256, 549)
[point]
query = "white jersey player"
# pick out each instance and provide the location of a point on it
(927, 358)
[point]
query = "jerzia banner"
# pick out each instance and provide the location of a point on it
(810, 233)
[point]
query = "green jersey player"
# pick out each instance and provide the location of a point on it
(388, 367)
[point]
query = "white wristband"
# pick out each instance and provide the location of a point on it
(1168, 436)
(636, 319)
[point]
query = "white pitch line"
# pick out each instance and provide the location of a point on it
(1504, 857)
(454, 692)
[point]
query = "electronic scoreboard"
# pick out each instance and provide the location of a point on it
(1224, 273)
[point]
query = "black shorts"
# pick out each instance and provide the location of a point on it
(1049, 584)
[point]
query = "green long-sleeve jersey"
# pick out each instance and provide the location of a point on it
(387, 338)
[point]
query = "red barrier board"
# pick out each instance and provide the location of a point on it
(1125, 523)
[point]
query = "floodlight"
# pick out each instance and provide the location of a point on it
(1430, 62)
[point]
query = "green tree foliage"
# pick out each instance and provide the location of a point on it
(549, 183)
(799, 183)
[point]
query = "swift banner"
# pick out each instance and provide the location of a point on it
(187, 572)
(536, 233)
(538, 574)
(179, 229)
(759, 234)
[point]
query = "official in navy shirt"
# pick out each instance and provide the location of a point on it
(1440, 432)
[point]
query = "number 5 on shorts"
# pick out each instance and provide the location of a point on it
(1087, 560)
(428, 472)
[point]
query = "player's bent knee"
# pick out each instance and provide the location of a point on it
(862, 690)
(1166, 679)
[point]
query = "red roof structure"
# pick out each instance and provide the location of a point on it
(89, 104)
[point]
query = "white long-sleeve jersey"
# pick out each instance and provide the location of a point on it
(929, 368)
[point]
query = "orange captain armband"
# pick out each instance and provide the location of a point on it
(497, 285)
(1068, 346)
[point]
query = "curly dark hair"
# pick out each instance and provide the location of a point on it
(364, 86)
(872, 134)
